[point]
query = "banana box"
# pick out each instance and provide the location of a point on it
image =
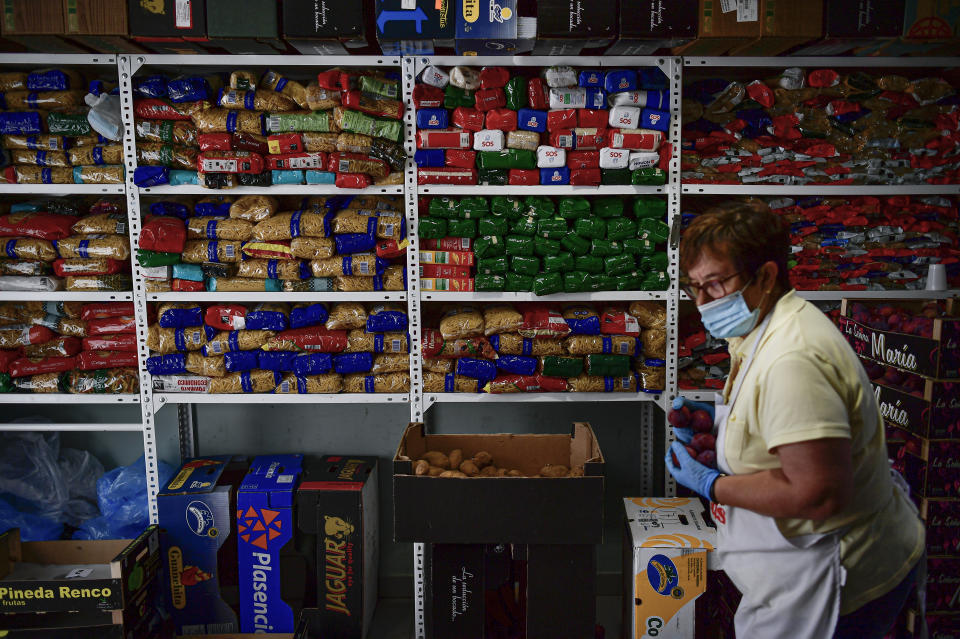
(667, 569)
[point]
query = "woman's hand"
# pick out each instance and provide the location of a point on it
(688, 471)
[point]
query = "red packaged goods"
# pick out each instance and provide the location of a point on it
(561, 119)
(186, 286)
(761, 93)
(57, 347)
(312, 338)
(462, 258)
(301, 160)
(589, 139)
(447, 175)
(487, 99)
(585, 177)
(285, 143)
(376, 106)
(225, 317)
(357, 163)
(6, 357)
(427, 97)
(591, 118)
(271, 250)
(823, 78)
(329, 79)
(538, 94)
(249, 142)
(215, 141)
(353, 180)
(634, 139)
(20, 335)
(461, 159)
(614, 322)
(444, 139)
(154, 109)
(126, 342)
(523, 177)
(81, 267)
(433, 345)
(493, 77)
(544, 323)
(391, 249)
(102, 310)
(526, 384)
(444, 270)
(163, 234)
(230, 162)
(502, 119)
(467, 118)
(563, 139)
(451, 284)
(37, 366)
(96, 360)
(447, 244)
(39, 225)
(583, 159)
(126, 324)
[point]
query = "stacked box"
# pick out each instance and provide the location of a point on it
(101, 25)
(704, 361)
(169, 27)
(650, 25)
(323, 27)
(566, 28)
(406, 27)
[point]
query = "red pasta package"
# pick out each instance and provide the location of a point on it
(215, 141)
(88, 267)
(561, 119)
(126, 324)
(241, 141)
(353, 180)
(583, 159)
(126, 342)
(300, 160)
(526, 384)
(427, 97)
(433, 345)
(163, 234)
(523, 177)
(635, 139)
(502, 119)
(101, 310)
(225, 317)
(272, 249)
(8, 356)
(38, 225)
(461, 159)
(39, 365)
(545, 323)
(444, 139)
(285, 143)
(230, 162)
(357, 163)
(618, 322)
(585, 177)
(467, 118)
(156, 109)
(316, 339)
(446, 175)
(538, 94)
(494, 77)
(329, 79)
(186, 286)
(96, 360)
(58, 347)
(391, 249)
(21, 335)
(376, 106)
(487, 99)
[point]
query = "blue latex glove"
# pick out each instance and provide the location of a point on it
(680, 402)
(690, 472)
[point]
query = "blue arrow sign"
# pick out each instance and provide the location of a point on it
(402, 16)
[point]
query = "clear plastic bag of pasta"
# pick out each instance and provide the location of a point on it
(101, 223)
(106, 174)
(117, 282)
(362, 264)
(388, 383)
(594, 384)
(390, 363)
(229, 341)
(654, 343)
(255, 381)
(254, 208)
(514, 344)
(229, 121)
(450, 383)
(501, 318)
(462, 321)
(292, 224)
(95, 155)
(310, 384)
(105, 380)
(346, 316)
(649, 314)
(274, 269)
(113, 247)
(312, 248)
(596, 344)
(40, 158)
(29, 249)
(173, 340)
(360, 341)
(275, 81)
(204, 228)
(200, 251)
(157, 154)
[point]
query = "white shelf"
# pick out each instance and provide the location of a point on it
(836, 296)
(545, 189)
(72, 428)
(61, 189)
(162, 399)
(699, 395)
(280, 189)
(261, 61)
(817, 61)
(537, 398)
(597, 296)
(366, 296)
(69, 398)
(64, 296)
(605, 62)
(821, 189)
(44, 59)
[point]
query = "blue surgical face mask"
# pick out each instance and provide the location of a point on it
(729, 316)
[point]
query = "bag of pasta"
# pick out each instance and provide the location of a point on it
(157, 154)
(360, 341)
(200, 251)
(219, 229)
(173, 340)
(117, 282)
(41, 158)
(315, 141)
(321, 99)
(181, 132)
(294, 90)
(293, 224)
(312, 248)
(654, 343)
(274, 269)
(43, 383)
(514, 344)
(346, 316)
(29, 249)
(255, 381)
(362, 264)
(113, 247)
(307, 384)
(229, 121)
(394, 278)
(649, 314)
(434, 382)
(460, 322)
(254, 208)
(254, 100)
(106, 174)
(501, 318)
(594, 384)
(388, 383)
(107, 380)
(101, 224)
(112, 154)
(242, 340)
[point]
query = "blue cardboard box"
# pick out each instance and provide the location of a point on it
(265, 527)
(493, 27)
(409, 27)
(198, 544)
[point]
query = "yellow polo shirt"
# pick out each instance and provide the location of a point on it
(806, 383)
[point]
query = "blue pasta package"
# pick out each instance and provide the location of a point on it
(655, 119)
(312, 363)
(265, 320)
(385, 320)
(477, 368)
(181, 317)
(517, 364)
(347, 363)
(310, 315)
(620, 80)
(430, 157)
(240, 361)
(281, 361)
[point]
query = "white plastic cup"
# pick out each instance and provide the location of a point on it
(936, 277)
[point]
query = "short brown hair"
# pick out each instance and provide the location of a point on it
(747, 237)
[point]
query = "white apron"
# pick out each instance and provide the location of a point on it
(791, 587)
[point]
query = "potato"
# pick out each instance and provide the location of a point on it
(514, 473)
(501, 472)
(576, 471)
(469, 468)
(456, 457)
(421, 467)
(489, 471)
(453, 473)
(435, 471)
(554, 470)
(436, 458)
(483, 458)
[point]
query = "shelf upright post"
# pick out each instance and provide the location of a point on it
(410, 200)
(125, 72)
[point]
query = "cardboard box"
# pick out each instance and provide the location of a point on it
(33, 17)
(851, 24)
(493, 29)
(169, 26)
(934, 415)
(931, 19)
(254, 30)
(99, 25)
(719, 32)
(323, 27)
(939, 626)
(649, 25)
(272, 574)
(942, 517)
(338, 516)
(402, 30)
(784, 26)
(930, 467)
(665, 558)
(566, 27)
(199, 544)
(520, 510)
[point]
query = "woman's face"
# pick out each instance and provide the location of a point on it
(714, 270)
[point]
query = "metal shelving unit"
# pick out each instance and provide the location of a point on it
(388, 296)
(69, 398)
(280, 189)
(64, 296)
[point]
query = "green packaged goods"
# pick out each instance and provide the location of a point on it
(539, 206)
(454, 97)
(492, 265)
(71, 124)
(650, 206)
(489, 246)
(519, 245)
(493, 226)
(589, 263)
(636, 246)
(574, 207)
(321, 121)
(620, 228)
(444, 207)
(608, 207)
(605, 248)
(516, 92)
(655, 262)
(379, 86)
(553, 228)
(562, 261)
(493, 177)
(543, 247)
(655, 281)
(608, 365)
(575, 244)
(615, 176)
(601, 282)
(575, 281)
(432, 228)
(517, 283)
(507, 159)
(548, 284)
(6, 383)
(148, 259)
(648, 177)
(387, 129)
(524, 226)
(619, 264)
(559, 366)
(592, 228)
(474, 207)
(461, 228)
(507, 205)
(525, 265)
(631, 281)
(653, 230)
(489, 282)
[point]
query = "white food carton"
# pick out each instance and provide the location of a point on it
(624, 117)
(550, 157)
(643, 159)
(488, 140)
(614, 158)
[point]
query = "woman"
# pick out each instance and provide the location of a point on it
(812, 528)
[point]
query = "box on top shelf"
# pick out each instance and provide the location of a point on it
(272, 574)
(338, 516)
(942, 517)
(411, 26)
(167, 26)
(496, 29)
(100, 25)
(850, 24)
(931, 19)
(36, 25)
(253, 30)
(723, 27)
(931, 467)
(933, 412)
(536, 510)
(323, 27)
(665, 557)
(785, 25)
(196, 510)
(649, 25)
(566, 27)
